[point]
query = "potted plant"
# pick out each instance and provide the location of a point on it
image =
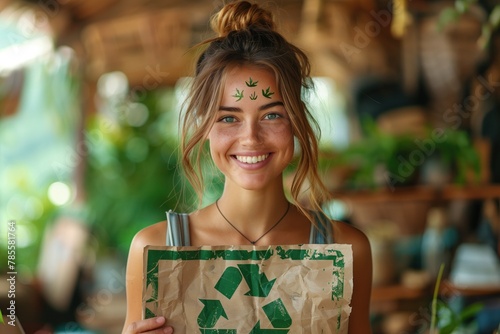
(446, 320)
(389, 160)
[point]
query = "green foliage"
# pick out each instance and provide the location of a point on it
(444, 320)
(378, 156)
(132, 174)
(37, 143)
(449, 320)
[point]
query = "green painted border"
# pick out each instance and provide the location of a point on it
(154, 256)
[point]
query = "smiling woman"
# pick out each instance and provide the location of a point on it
(246, 101)
(251, 141)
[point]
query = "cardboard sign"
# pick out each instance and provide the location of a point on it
(249, 289)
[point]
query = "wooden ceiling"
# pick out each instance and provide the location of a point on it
(139, 37)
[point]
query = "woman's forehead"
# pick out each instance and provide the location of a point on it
(250, 84)
(243, 73)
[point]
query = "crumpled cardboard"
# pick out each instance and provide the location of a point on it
(250, 289)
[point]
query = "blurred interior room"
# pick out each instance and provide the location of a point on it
(407, 93)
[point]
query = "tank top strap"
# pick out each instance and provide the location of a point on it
(321, 232)
(177, 229)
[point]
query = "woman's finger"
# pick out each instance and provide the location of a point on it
(153, 325)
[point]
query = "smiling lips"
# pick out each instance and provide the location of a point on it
(251, 159)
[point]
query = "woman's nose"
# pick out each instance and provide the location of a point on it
(251, 134)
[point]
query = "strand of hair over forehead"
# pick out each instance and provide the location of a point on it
(239, 16)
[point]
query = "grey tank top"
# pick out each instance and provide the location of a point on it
(178, 230)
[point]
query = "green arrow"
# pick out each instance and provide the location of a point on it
(149, 314)
(229, 282)
(277, 314)
(257, 330)
(258, 283)
(211, 312)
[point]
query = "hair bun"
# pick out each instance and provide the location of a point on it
(241, 15)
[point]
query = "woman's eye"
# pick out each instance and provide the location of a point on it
(272, 116)
(227, 119)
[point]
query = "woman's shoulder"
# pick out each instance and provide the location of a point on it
(154, 234)
(345, 233)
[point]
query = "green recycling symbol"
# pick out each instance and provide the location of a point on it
(259, 286)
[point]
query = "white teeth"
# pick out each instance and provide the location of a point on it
(253, 159)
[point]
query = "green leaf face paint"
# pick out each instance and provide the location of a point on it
(238, 95)
(267, 93)
(251, 83)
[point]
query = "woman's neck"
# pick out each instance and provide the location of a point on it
(253, 212)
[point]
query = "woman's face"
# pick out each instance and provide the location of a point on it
(251, 141)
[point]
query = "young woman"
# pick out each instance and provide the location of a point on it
(245, 101)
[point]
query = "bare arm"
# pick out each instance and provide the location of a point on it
(359, 320)
(134, 281)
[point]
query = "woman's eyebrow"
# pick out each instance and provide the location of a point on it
(263, 107)
(270, 105)
(232, 109)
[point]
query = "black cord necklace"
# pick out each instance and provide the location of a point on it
(244, 236)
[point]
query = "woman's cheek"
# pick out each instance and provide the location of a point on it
(281, 132)
(228, 134)
(221, 140)
(278, 127)
(219, 133)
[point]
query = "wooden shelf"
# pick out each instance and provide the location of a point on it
(397, 292)
(447, 289)
(406, 207)
(420, 193)
(486, 191)
(396, 298)
(406, 194)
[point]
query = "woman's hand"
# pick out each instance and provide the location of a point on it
(150, 326)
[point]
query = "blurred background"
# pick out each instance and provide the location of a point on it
(407, 95)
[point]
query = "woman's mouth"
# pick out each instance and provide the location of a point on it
(251, 159)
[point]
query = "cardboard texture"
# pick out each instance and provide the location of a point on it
(250, 289)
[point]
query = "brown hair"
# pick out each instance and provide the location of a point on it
(247, 36)
(240, 15)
